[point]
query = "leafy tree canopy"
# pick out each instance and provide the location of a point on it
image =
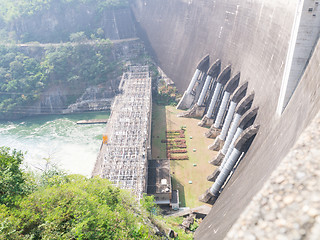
(61, 206)
(54, 205)
(13, 9)
(77, 209)
(23, 78)
(12, 180)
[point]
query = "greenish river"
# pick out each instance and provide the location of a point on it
(72, 147)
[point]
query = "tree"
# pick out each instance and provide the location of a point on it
(80, 208)
(12, 181)
(147, 202)
(78, 37)
(100, 33)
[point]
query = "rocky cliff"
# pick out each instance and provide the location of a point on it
(59, 21)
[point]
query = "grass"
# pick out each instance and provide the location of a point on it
(158, 131)
(184, 171)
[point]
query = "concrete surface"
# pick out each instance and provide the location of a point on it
(254, 37)
(288, 206)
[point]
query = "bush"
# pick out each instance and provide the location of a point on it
(78, 37)
(12, 180)
(79, 209)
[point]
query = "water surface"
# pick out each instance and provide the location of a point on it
(72, 147)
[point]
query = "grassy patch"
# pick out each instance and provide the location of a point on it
(197, 168)
(158, 131)
(178, 186)
(185, 171)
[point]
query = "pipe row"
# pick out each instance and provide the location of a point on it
(214, 100)
(232, 160)
(204, 90)
(193, 81)
(222, 109)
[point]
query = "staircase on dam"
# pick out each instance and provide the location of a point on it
(123, 157)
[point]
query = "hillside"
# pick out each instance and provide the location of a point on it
(54, 21)
(38, 80)
(54, 52)
(51, 204)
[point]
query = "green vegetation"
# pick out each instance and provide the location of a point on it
(64, 206)
(23, 78)
(167, 94)
(158, 131)
(82, 55)
(54, 205)
(185, 171)
(12, 181)
(52, 20)
(79, 208)
(165, 118)
(175, 222)
(80, 63)
(14, 9)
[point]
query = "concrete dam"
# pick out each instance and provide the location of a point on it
(250, 69)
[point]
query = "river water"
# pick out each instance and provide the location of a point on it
(74, 148)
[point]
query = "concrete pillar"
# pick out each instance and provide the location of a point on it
(214, 100)
(215, 188)
(231, 147)
(216, 145)
(193, 81)
(222, 109)
(188, 97)
(231, 132)
(208, 198)
(228, 120)
(204, 90)
(215, 174)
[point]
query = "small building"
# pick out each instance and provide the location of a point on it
(159, 181)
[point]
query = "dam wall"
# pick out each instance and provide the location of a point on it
(255, 38)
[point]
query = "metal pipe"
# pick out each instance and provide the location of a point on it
(222, 109)
(216, 186)
(204, 90)
(231, 147)
(214, 100)
(228, 120)
(231, 132)
(193, 81)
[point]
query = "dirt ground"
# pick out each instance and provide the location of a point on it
(197, 145)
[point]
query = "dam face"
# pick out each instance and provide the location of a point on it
(255, 38)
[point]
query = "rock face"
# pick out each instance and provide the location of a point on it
(252, 36)
(93, 99)
(56, 24)
(55, 101)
